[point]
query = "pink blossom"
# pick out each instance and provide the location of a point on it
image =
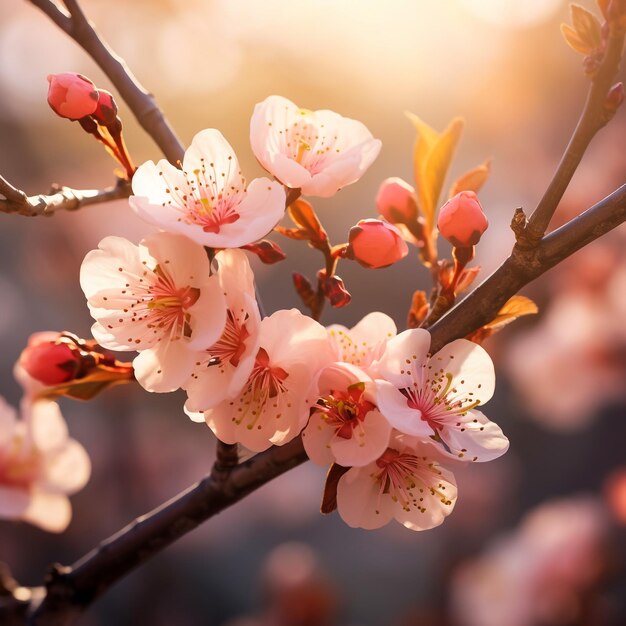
(461, 220)
(345, 426)
(273, 406)
(72, 95)
(434, 397)
(222, 369)
(407, 483)
(318, 152)
(39, 465)
(364, 343)
(208, 200)
(376, 244)
(158, 298)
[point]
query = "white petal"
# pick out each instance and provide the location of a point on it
(66, 470)
(207, 315)
(316, 439)
(210, 150)
(359, 501)
(471, 368)
(393, 405)
(49, 511)
(473, 437)
(164, 368)
(412, 346)
(46, 424)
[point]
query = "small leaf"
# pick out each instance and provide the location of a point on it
(587, 26)
(574, 41)
(329, 498)
(305, 290)
(472, 180)
(292, 233)
(468, 276)
(432, 156)
(418, 311)
(303, 215)
(515, 307)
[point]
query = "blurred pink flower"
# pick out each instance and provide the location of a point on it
(39, 465)
(208, 200)
(158, 298)
(345, 426)
(273, 406)
(433, 397)
(318, 152)
(535, 574)
(406, 484)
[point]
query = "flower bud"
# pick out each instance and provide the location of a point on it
(396, 202)
(50, 361)
(334, 289)
(72, 95)
(106, 108)
(461, 220)
(375, 244)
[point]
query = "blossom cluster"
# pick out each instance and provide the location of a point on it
(370, 401)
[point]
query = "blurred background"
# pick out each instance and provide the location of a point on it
(537, 537)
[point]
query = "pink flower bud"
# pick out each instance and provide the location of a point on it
(396, 202)
(71, 95)
(461, 220)
(375, 244)
(49, 361)
(106, 108)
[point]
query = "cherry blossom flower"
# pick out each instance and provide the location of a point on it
(406, 483)
(158, 298)
(273, 406)
(434, 397)
(208, 200)
(318, 152)
(223, 368)
(345, 426)
(39, 465)
(364, 343)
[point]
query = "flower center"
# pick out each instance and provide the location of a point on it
(209, 198)
(345, 410)
(229, 348)
(307, 142)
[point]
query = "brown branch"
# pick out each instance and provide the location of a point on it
(524, 265)
(138, 99)
(595, 115)
(71, 589)
(60, 198)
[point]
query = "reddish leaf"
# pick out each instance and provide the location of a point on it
(303, 215)
(418, 311)
(515, 307)
(329, 499)
(268, 251)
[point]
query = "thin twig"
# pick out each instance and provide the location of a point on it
(60, 198)
(592, 119)
(138, 99)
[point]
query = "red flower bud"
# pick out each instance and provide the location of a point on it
(396, 201)
(375, 244)
(49, 361)
(72, 95)
(106, 108)
(268, 251)
(334, 289)
(461, 220)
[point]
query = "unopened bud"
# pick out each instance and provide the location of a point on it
(72, 95)
(50, 361)
(268, 251)
(614, 98)
(461, 220)
(106, 108)
(334, 289)
(396, 201)
(375, 244)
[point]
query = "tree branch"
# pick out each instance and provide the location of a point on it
(524, 265)
(594, 116)
(138, 99)
(71, 589)
(60, 198)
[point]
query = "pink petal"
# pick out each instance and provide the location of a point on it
(49, 511)
(165, 367)
(393, 405)
(66, 470)
(412, 346)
